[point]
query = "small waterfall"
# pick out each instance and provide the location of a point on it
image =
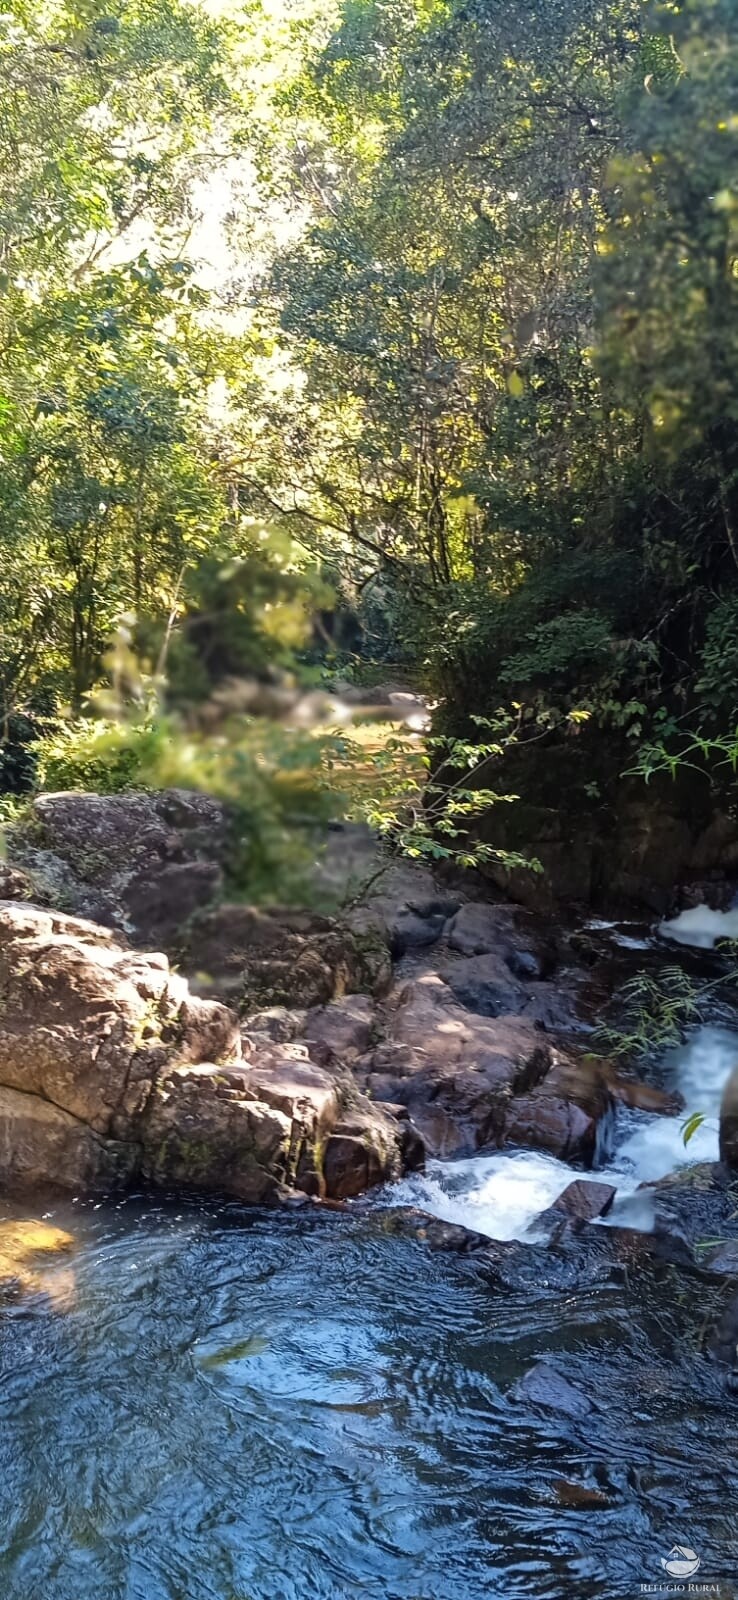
(501, 1195)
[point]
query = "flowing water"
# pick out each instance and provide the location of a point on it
(502, 1194)
(206, 1403)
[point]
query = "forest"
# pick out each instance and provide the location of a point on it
(423, 316)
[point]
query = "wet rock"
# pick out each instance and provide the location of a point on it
(563, 1113)
(279, 957)
(448, 1236)
(585, 1200)
(434, 1234)
(723, 1260)
(640, 1096)
(142, 863)
(543, 1386)
(722, 1344)
(697, 1203)
(729, 1123)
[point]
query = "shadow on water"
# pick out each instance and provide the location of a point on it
(250, 1406)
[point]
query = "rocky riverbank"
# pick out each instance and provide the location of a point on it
(154, 1033)
(292, 1052)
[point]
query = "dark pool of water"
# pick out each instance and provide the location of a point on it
(217, 1405)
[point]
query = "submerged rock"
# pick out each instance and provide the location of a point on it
(31, 1252)
(543, 1386)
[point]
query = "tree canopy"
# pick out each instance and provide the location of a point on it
(467, 353)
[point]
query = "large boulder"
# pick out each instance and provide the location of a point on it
(40, 1144)
(279, 957)
(142, 863)
(111, 1069)
(87, 1024)
(276, 1123)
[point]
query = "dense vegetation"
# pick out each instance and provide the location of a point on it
(456, 386)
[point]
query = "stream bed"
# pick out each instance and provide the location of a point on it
(205, 1402)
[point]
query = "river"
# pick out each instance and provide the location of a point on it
(209, 1403)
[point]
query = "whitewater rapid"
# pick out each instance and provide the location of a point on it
(503, 1194)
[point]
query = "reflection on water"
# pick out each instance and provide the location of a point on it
(252, 1406)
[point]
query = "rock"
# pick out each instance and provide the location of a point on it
(110, 1069)
(723, 1260)
(276, 1122)
(340, 1031)
(449, 1236)
(471, 1080)
(402, 903)
(351, 1165)
(506, 932)
(642, 1096)
(277, 1023)
(585, 1200)
(40, 1144)
(729, 1123)
(415, 928)
(142, 863)
(696, 1203)
(722, 1345)
(579, 1496)
(455, 1071)
(14, 884)
(27, 1246)
(87, 1024)
(197, 1138)
(564, 1113)
(485, 985)
(543, 1386)
(278, 957)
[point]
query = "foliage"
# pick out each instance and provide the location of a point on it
(465, 373)
(656, 1011)
(425, 817)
